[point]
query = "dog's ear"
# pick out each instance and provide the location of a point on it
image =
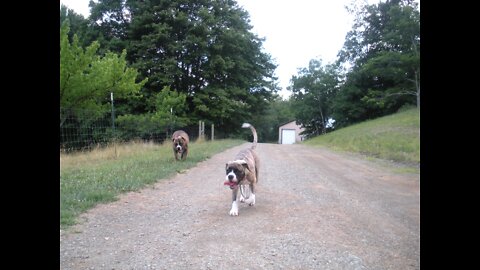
(243, 163)
(226, 166)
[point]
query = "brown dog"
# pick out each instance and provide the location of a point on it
(243, 171)
(180, 144)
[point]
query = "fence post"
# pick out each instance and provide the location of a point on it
(201, 130)
(213, 131)
(113, 124)
(171, 123)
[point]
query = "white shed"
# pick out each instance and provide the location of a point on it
(289, 133)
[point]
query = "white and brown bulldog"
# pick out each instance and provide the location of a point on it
(243, 171)
(180, 144)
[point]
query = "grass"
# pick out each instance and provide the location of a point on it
(98, 176)
(394, 137)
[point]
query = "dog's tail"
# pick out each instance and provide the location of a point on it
(247, 125)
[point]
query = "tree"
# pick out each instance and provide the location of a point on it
(386, 26)
(383, 52)
(171, 108)
(348, 105)
(109, 21)
(278, 112)
(86, 79)
(313, 92)
(203, 49)
(170, 114)
(77, 23)
(391, 73)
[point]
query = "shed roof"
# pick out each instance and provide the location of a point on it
(287, 123)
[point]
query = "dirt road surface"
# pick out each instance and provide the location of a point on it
(315, 209)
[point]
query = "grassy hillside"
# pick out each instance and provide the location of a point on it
(393, 137)
(87, 179)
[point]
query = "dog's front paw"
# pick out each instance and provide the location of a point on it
(234, 210)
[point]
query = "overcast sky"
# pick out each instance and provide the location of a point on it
(298, 31)
(295, 31)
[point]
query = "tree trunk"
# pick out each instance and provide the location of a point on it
(417, 85)
(323, 121)
(417, 76)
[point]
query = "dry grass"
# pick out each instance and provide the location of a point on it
(109, 152)
(98, 176)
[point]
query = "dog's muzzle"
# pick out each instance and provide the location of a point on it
(231, 181)
(231, 178)
(231, 184)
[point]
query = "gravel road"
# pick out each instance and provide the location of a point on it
(315, 209)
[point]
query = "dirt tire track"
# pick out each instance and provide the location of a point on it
(315, 209)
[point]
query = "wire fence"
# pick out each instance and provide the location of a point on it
(86, 129)
(82, 130)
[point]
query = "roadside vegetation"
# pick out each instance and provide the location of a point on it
(394, 137)
(200, 61)
(168, 64)
(99, 176)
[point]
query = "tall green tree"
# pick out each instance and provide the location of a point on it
(383, 50)
(87, 79)
(109, 21)
(77, 23)
(201, 48)
(314, 89)
(393, 25)
(393, 85)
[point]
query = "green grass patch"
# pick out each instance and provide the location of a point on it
(90, 178)
(411, 169)
(394, 137)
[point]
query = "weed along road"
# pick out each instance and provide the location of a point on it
(315, 209)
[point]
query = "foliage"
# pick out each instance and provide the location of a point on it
(203, 49)
(384, 49)
(86, 79)
(382, 53)
(387, 26)
(390, 73)
(108, 24)
(313, 92)
(78, 24)
(170, 114)
(278, 112)
(172, 105)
